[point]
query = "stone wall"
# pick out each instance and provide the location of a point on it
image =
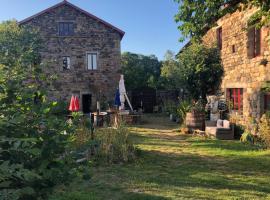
(241, 71)
(90, 36)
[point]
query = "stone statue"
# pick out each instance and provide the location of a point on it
(212, 105)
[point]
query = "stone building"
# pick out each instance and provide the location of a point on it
(82, 50)
(245, 55)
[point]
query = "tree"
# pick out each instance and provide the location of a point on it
(201, 70)
(198, 16)
(170, 72)
(140, 71)
(32, 138)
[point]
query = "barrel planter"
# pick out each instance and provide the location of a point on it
(195, 120)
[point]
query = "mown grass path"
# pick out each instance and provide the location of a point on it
(175, 166)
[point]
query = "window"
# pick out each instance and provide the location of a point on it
(267, 102)
(219, 37)
(233, 49)
(92, 61)
(66, 28)
(235, 99)
(254, 41)
(66, 63)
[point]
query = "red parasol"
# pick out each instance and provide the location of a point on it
(77, 104)
(72, 104)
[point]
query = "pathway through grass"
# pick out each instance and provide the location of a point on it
(174, 166)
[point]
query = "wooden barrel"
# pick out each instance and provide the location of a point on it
(195, 121)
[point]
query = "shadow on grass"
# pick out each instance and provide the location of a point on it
(158, 138)
(142, 196)
(233, 145)
(197, 170)
(207, 172)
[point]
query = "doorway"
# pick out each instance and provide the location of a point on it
(86, 103)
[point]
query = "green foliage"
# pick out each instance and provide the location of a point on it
(183, 108)
(33, 140)
(199, 71)
(170, 78)
(169, 107)
(266, 87)
(115, 144)
(264, 129)
(140, 71)
(196, 17)
(238, 131)
(247, 138)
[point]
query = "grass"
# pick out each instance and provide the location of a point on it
(175, 166)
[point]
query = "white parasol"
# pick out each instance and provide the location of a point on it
(123, 94)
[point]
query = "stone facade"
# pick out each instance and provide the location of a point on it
(91, 35)
(241, 69)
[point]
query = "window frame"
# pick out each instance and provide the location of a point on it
(68, 63)
(70, 28)
(235, 96)
(87, 61)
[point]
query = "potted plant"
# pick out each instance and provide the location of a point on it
(195, 118)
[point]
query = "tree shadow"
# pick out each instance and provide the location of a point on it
(223, 144)
(211, 171)
(142, 196)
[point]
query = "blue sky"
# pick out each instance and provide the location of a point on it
(149, 24)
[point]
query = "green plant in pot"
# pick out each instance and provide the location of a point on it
(183, 108)
(195, 117)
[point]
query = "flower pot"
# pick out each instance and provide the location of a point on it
(195, 120)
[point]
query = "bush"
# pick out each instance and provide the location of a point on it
(264, 129)
(238, 131)
(34, 142)
(115, 145)
(247, 138)
(183, 108)
(169, 107)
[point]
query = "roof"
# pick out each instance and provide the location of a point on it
(184, 47)
(65, 2)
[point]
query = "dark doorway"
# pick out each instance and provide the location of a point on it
(86, 103)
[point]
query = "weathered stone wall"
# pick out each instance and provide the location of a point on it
(90, 36)
(241, 71)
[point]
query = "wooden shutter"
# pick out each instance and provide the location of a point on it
(254, 42)
(219, 37)
(267, 102)
(251, 36)
(257, 42)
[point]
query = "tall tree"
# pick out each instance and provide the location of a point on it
(201, 70)
(140, 70)
(171, 72)
(197, 16)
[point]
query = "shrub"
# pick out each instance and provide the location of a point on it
(247, 138)
(169, 107)
(34, 142)
(200, 69)
(115, 144)
(264, 129)
(238, 131)
(182, 110)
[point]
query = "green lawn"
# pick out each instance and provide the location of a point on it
(174, 166)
